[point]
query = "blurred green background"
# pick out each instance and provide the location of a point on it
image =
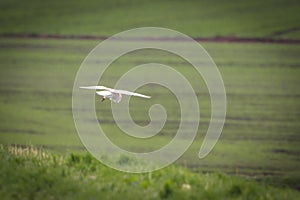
(261, 134)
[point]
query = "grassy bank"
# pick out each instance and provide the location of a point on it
(30, 173)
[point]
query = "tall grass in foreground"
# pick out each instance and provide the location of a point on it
(30, 173)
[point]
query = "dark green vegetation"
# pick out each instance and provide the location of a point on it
(205, 18)
(260, 139)
(34, 174)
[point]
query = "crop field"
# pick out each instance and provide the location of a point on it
(259, 145)
(260, 134)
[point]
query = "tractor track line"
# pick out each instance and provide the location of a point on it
(198, 39)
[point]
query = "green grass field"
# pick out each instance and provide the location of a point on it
(261, 129)
(260, 139)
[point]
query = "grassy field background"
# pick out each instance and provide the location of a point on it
(261, 135)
